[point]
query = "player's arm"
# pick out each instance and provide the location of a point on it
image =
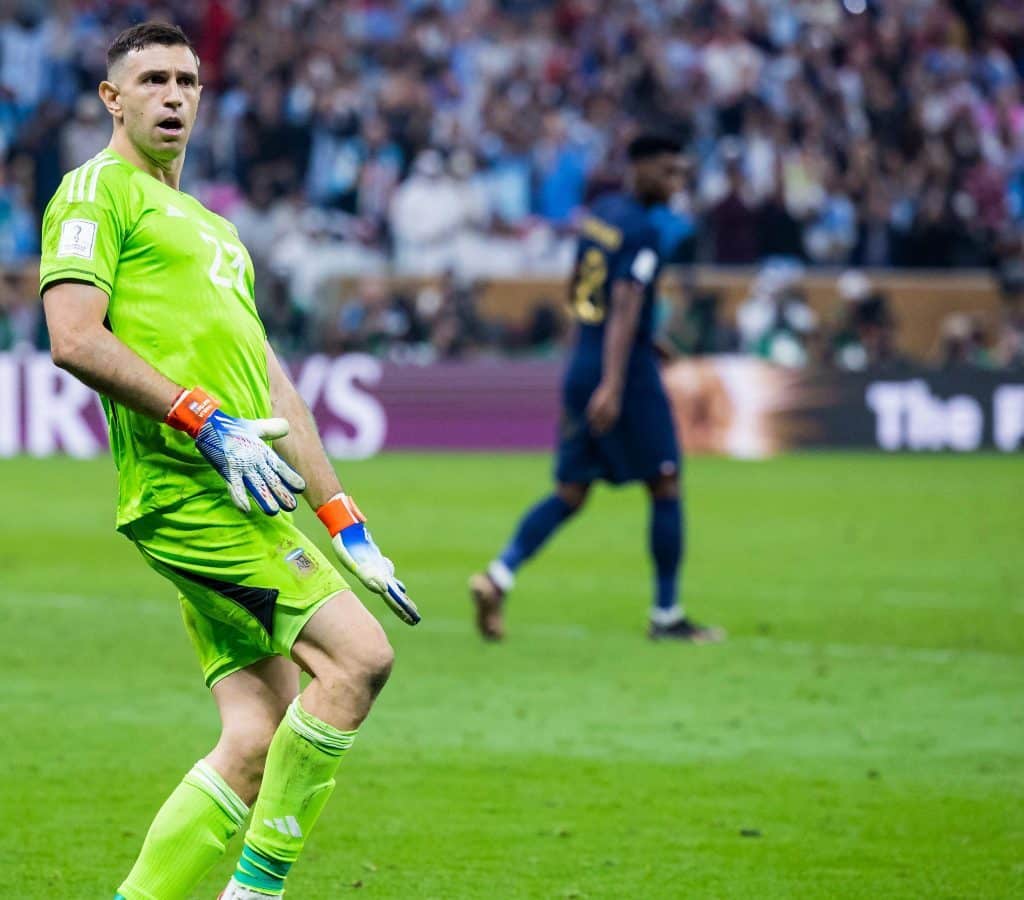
(665, 350)
(627, 298)
(83, 233)
(634, 269)
(351, 539)
(81, 344)
(301, 447)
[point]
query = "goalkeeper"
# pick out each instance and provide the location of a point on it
(149, 300)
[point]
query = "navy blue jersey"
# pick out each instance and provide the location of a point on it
(618, 242)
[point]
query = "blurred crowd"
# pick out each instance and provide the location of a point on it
(458, 139)
(855, 329)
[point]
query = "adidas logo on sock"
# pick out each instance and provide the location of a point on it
(287, 826)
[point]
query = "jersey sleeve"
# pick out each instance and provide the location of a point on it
(637, 261)
(84, 227)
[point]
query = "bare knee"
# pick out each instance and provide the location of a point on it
(377, 665)
(362, 672)
(348, 654)
(664, 487)
(573, 495)
(250, 750)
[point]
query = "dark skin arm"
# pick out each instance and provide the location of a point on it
(84, 347)
(606, 402)
(664, 349)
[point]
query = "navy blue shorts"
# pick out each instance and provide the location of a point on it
(641, 446)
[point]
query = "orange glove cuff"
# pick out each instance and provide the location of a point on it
(339, 512)
(190, 410)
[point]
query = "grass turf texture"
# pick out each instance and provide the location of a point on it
(860, 735)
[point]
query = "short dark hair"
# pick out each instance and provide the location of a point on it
(647, 145)
(144, 35)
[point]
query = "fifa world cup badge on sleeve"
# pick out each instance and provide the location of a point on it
(77, 238)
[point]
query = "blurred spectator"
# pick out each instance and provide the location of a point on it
(286, 323)
(19, 229)
(874, 240)
(540, 335)
(86, 134)
(864, 336)
(9, 330)
(545, 329)
(381, 162)
(269, 142)
(561, 170)
(449, 315)
(696, 326)
(22, 326)
(733, 218)
(964, 343)
(26, 38)
(1008, 349)
(370, 319)
(775, 322)
(832, 232)
(731, 66)
(427, 213)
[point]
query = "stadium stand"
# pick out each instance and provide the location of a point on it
(376, 144)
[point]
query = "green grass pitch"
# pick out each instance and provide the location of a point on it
(861, 734)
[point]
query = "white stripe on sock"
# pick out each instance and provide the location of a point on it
(332, 741)
(666, 617)
(501, 575)
(221, 791)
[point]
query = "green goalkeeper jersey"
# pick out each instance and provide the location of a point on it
(180, 285)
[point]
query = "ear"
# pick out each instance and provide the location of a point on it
(110, 94)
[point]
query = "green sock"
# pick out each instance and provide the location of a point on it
(297, 780)
(187, 837)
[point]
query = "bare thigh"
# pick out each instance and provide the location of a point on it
(347, 652)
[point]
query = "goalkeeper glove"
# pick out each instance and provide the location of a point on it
(236, 448)
(361, 556)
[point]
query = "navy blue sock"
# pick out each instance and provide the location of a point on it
(534, 529)
(667, 549)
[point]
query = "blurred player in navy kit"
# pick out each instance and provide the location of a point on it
(616, 423)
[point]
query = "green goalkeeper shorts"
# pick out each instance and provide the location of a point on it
(248, 584)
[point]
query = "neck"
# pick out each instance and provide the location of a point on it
(645, 202)
(167, 171)
(630, 183)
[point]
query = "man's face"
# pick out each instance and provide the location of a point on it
(158, 92)
(660, 177)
